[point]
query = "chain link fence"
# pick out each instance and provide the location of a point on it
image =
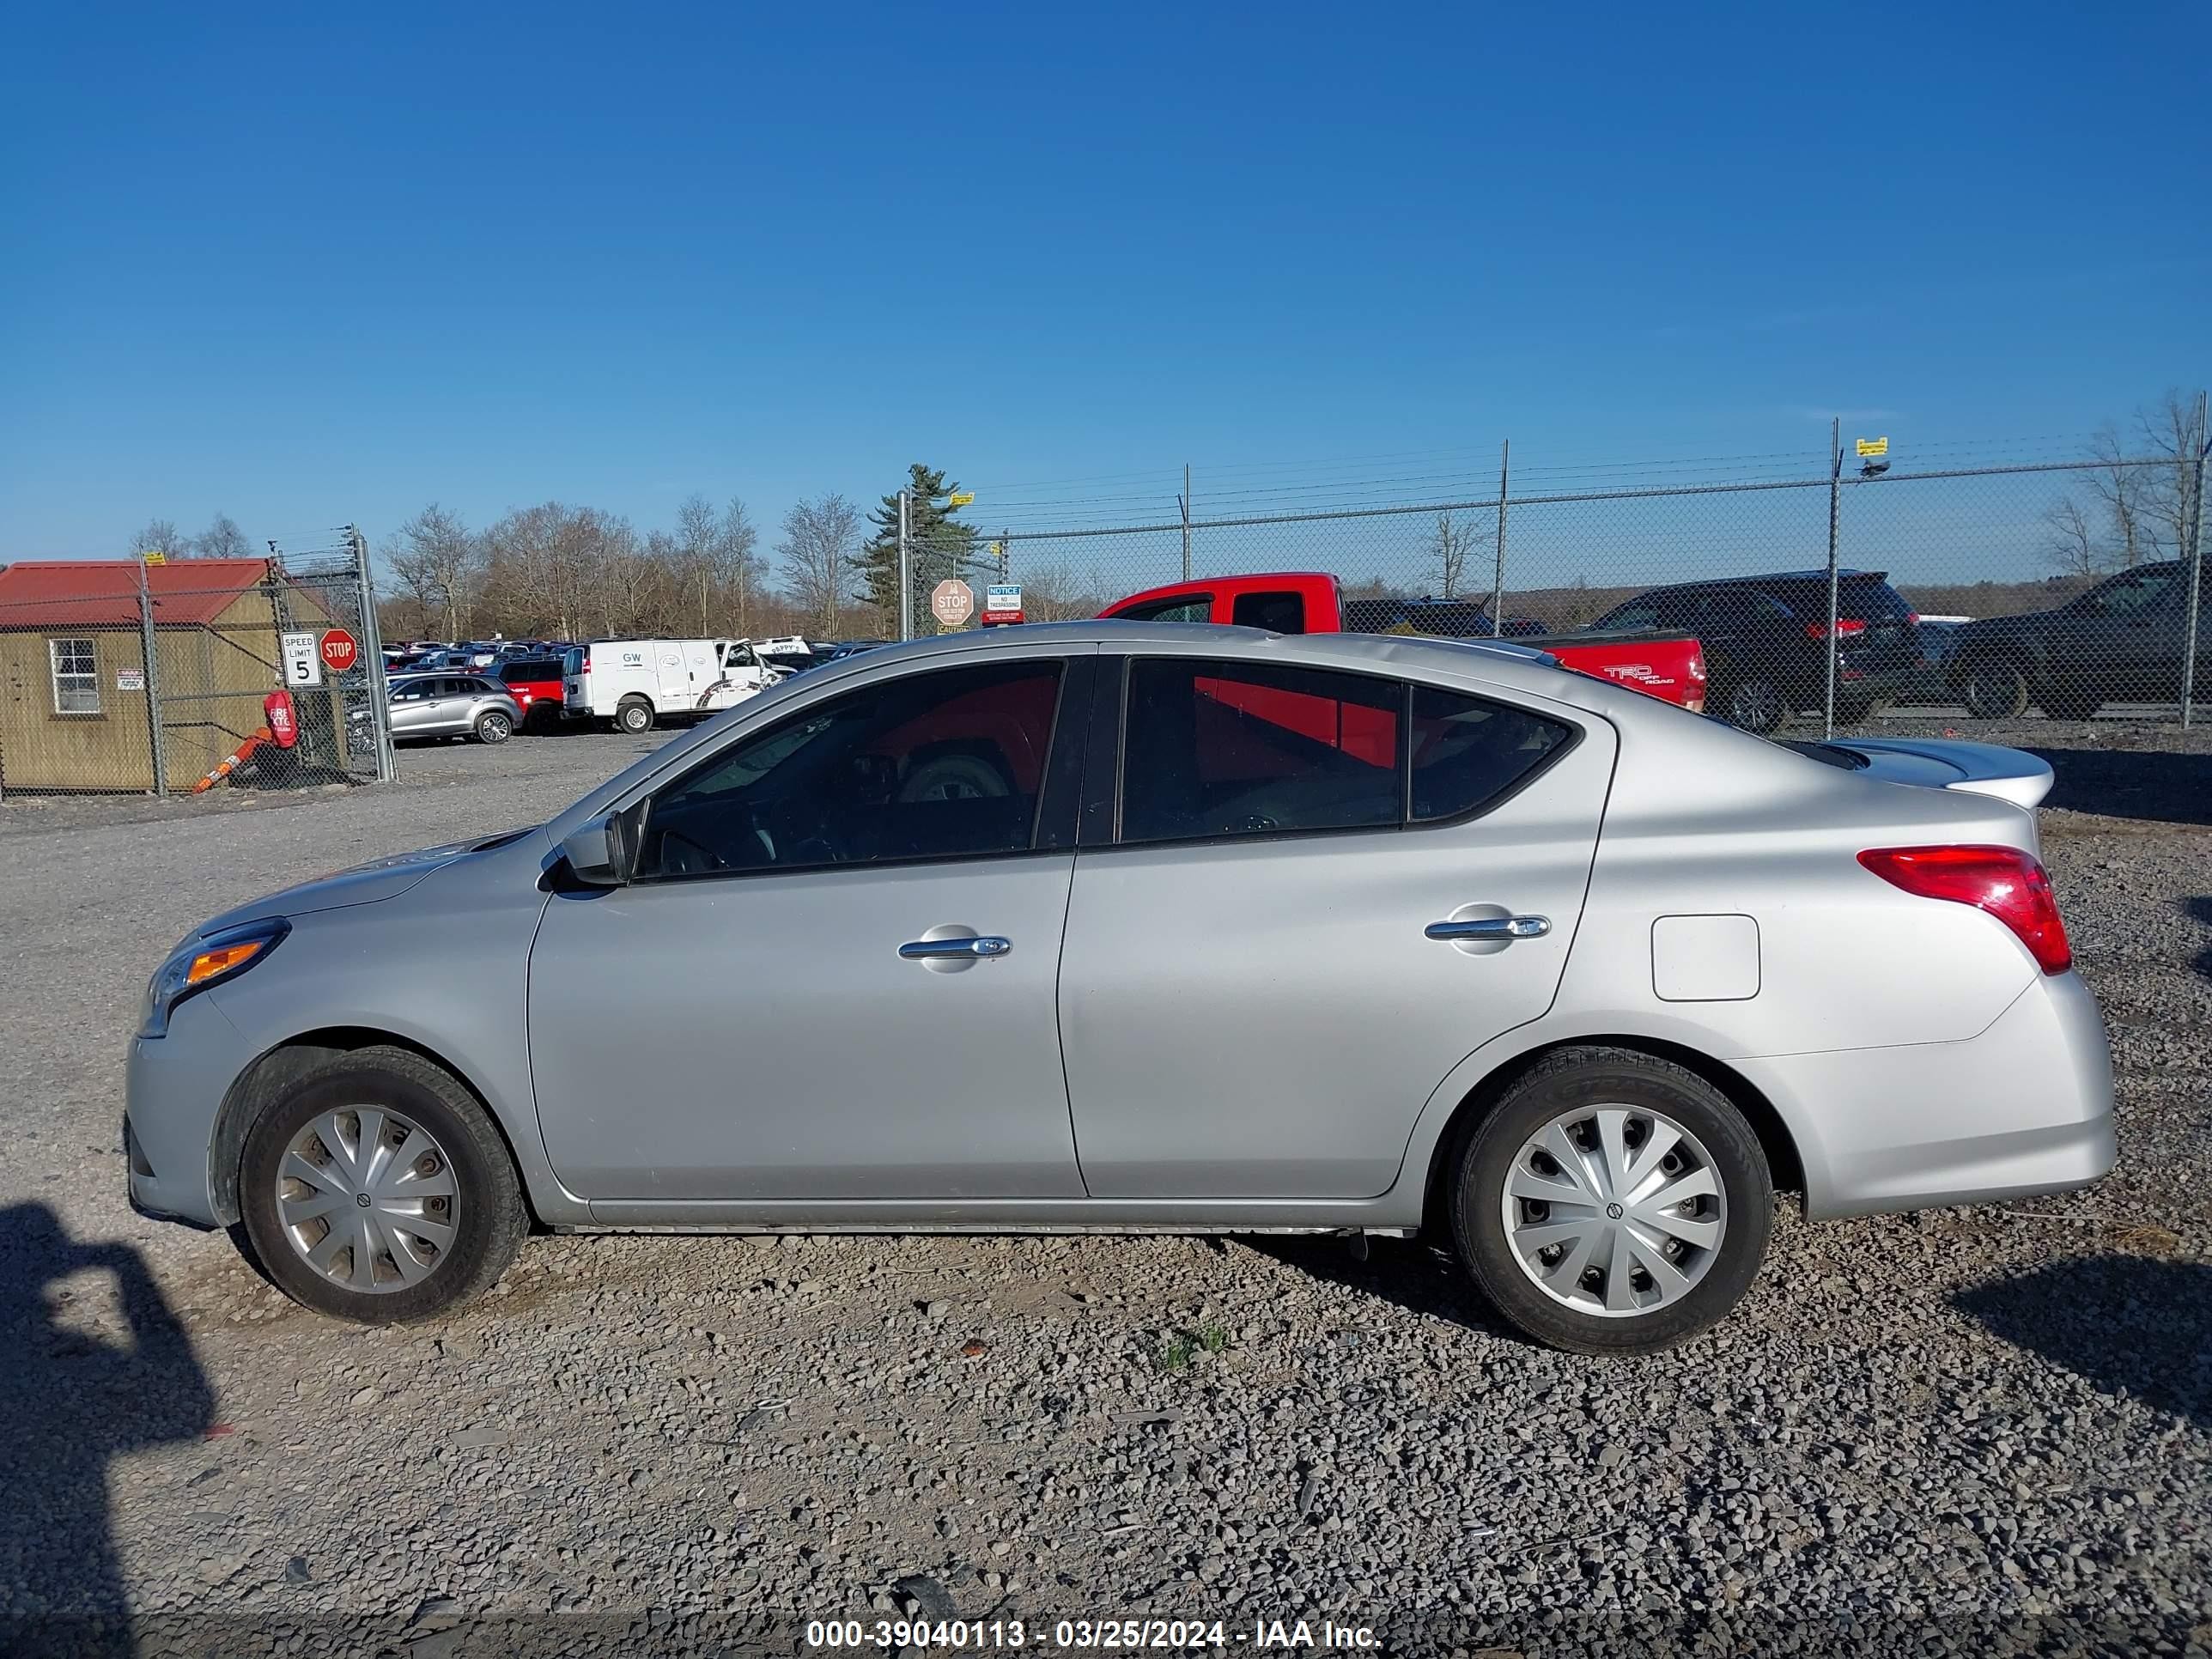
(179, 677)
(2067, 590)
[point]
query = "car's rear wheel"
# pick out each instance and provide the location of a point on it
(377, 1189)
(635, 717)
(1995, 689)
(1754, 705)
(1611, 1202)
(495, 727)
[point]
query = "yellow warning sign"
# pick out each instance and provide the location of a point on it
(1873, 446)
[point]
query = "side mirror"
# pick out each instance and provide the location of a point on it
(602, 852)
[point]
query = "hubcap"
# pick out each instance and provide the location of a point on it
(1614, 1211)
(368, 1198)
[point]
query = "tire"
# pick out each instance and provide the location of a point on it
(956, 774)
(1994, 689)
(634, 716)
(1568, 1084)
(1754, 704)
(495, 727)
(483, 1201)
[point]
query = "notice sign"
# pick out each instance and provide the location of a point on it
(1002, 602)
(130, 679)
(303, 665)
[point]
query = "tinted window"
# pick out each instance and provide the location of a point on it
(1190, 608)
(1225, 748)
(1467, 752)
(2140, 590)
(530, 668)
(1278, 613)
(941, 765)
(1637, 613)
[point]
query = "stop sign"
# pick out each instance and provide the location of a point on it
(339, 650)
(952, 602)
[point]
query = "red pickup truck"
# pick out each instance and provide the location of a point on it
(1669, 666)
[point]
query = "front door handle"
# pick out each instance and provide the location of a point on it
(927, 950)
(1491, 927)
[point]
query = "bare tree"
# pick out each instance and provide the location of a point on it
(818, 539)
(221, 539)
(1450, 545)
(440, 562)
(2120, 482)
(2174, 436)
(2070, 539)
(161, 536)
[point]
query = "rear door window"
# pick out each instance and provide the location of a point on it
(1276, 612)
(1230, 749)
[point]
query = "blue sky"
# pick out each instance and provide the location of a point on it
(309, 264)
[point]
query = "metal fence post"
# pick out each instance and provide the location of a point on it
(1183, 500)
(1497, 578)
(1835, 523)
(906, 605)
(372, 645)
(2196, 598)
(148, 647)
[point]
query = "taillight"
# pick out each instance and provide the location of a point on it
(1698, 666)
(2009, 883)
(1846, 627)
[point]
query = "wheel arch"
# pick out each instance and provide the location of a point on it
(1783, 1162)
(285, 1063)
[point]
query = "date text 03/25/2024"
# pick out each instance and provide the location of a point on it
(1184, 1635)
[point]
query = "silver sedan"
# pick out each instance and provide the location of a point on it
(1144, 927)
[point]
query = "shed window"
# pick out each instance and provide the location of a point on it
(76, 676)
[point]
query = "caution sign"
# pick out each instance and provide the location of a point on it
(1873, 446)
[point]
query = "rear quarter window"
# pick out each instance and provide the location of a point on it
(1469, 753)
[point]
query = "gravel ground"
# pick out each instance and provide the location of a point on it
(1985, 1430)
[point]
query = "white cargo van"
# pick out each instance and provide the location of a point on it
(634, 683)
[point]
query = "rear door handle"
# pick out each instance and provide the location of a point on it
(925, 949)
(1505, 928)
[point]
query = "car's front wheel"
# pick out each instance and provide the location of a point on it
(1611, 1202)
(377, 1189)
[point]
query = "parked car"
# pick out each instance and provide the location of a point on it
(1558, 972)
(1446, 619)
(1311, 602)
(1931, 682)
(537, 684)
(1767, 646)
(447, 705)
(2122, 641)
(633, 683)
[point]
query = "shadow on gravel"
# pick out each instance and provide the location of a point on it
(2124, 1323)
(2200, 909)
(69, 1401)
(2131, 783)
(1403, 1271)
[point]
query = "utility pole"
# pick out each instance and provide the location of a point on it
(906, 576)
(1498, 579)
(1183, 500)
(1835, 523)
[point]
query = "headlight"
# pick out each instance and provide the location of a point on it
(200, 963)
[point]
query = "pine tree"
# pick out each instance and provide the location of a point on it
(939, 546)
